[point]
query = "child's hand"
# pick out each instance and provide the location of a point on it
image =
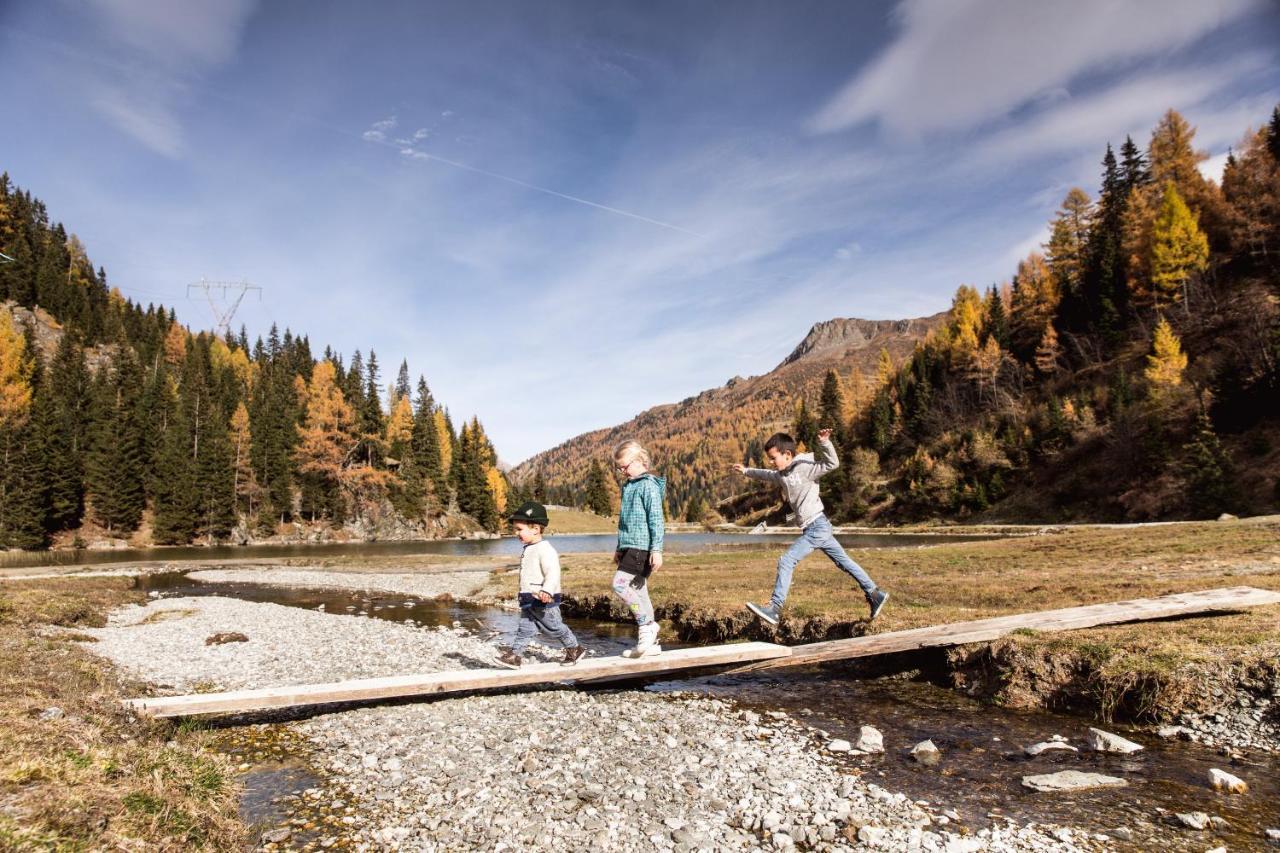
(739, 468)
(543, 596)
(655, 560)
(824, 434)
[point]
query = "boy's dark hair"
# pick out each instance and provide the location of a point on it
(783, 442)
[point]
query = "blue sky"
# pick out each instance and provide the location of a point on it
(565, 212)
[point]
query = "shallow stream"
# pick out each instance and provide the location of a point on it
(982, 762)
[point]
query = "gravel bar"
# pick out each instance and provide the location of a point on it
(555, 769)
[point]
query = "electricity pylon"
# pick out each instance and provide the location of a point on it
(231, 294)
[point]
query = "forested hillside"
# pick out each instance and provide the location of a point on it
(1129, 371)
(696, 440)
(117, 422)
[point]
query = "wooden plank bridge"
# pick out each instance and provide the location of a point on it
(739, 657)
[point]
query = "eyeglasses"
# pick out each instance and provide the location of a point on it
(622, 469)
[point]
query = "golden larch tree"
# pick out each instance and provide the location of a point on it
(328, 430)
(175, 344)
(15, 374)
(400, 428)
(1167, 361)
(1179, 249)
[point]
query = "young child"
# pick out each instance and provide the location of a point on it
(799, 476)
(539, 589)
(639, 550)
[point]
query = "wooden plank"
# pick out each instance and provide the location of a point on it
(400, 686)
(982, 630)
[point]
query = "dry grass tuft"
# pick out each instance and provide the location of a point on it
(94, 777)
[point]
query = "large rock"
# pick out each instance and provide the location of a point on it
(1224, 781)
(1101, 741)
(839, 745)
(870, 740)
(1071, 780)
(926, 753)
(1193, 820)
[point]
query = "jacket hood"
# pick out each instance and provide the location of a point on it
(662, 483)
(800, 457)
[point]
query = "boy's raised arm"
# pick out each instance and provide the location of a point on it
(829, 461)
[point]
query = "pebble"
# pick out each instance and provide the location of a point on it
(52, 713)
(839, 746)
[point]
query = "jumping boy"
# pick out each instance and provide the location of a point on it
(799, 476)
(539, 589)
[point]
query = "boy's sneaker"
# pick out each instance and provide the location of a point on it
(509, 659)
(769, 613)
(571, 655)
(646, 642)
(877, 600)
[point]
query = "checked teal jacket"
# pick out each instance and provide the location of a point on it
(640, 523)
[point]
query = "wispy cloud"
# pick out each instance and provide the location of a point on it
(164, 45)
(956, 64)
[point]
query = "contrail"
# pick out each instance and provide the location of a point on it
(423, 155)
(172, 80)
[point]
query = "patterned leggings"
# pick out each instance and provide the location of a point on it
(637, 600)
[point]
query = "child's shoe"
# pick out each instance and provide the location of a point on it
(509, 659)
(877, 600)
(646, 642)
(769, 613)
(571, 655)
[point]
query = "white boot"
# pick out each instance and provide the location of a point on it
(646, 642)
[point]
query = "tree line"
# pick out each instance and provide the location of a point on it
(131, 419)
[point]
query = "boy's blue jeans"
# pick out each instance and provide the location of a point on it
(544, 617)
(818, 536)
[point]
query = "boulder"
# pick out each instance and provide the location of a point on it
(839, 746)
(1193, 820)
(1071, 780)
(870, 740)
(1224, 781)
(1101, 741)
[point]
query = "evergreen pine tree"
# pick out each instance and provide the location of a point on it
(1273, 135)
(65, 442)
(426, 445)
(695, 509)
(597, 493)
(1208, 472)
(805, 431)
(831, 407)
(115, 468)
(539, 488)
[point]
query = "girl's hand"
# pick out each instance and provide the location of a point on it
(739, 468)
(617, 557)
(655, 560)
(824, 434)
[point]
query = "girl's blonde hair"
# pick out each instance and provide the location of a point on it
(632, 448)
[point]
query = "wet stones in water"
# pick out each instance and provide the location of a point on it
(223, 637)
(1101, 741)
(926, 753)
(1071, 780)
(1045, 746)
(1225, 782)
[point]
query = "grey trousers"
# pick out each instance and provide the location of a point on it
(544, 618)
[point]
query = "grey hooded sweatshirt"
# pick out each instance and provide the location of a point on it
(799, 481)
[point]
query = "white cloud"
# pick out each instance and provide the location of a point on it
(958, 63)
(847, 251)
(373, 136)
(386, 124)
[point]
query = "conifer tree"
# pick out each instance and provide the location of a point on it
(597, 493)
(402, 380)
(695, 509)
(325, 440)
(1048, 353)
(1166, 361)
(804, 430)
(176, 498)
(1179, 250)
(426, 444)
(831, 407)
(21, 481)
(245, 481)
(115, 469)
(539, 488)
(65, 442)
(1208, 472)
